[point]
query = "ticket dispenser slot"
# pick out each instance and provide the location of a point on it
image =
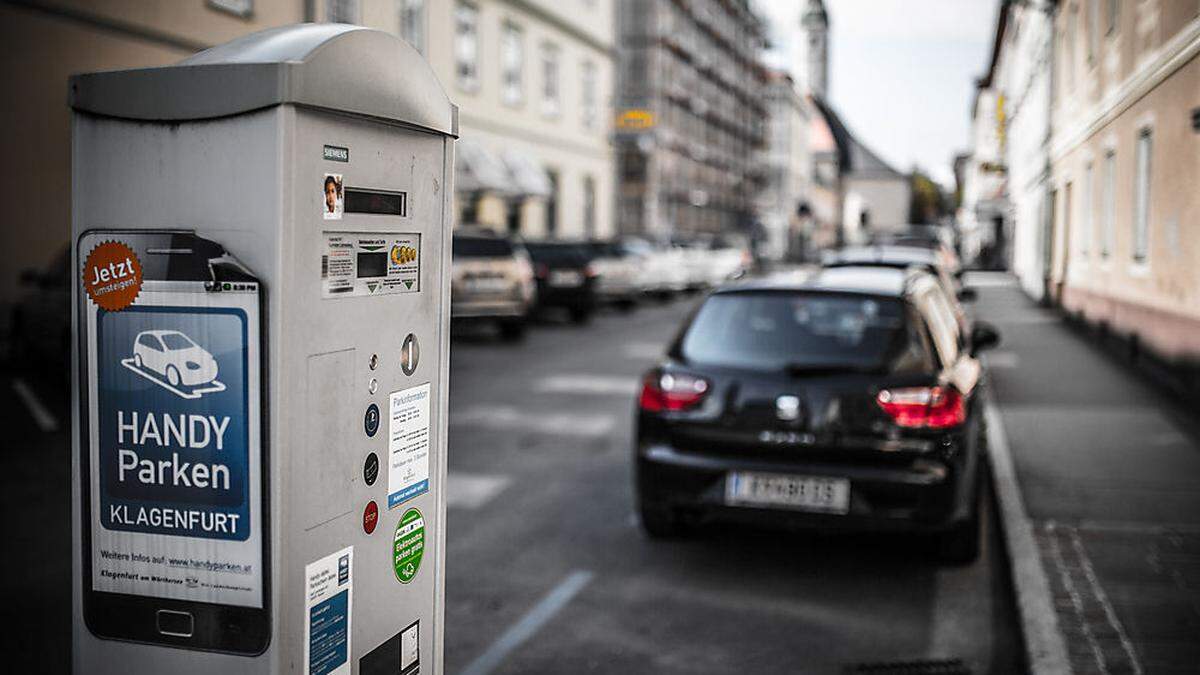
(262, 232)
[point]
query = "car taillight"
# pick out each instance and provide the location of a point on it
(543, 270)
(671, 392)
(924, 407)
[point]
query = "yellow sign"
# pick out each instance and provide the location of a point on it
(635, 119)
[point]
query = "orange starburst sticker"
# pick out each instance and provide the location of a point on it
(112, 276)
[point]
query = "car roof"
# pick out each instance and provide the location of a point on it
(883, 255)
(864, 280)
(159, 332)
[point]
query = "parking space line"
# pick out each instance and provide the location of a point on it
(1046, 650)
(530, 624)
(472, 490)
(1110, 613)
(41, 414)
(508, 418)
(583, 383)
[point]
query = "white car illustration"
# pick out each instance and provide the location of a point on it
(174, 356)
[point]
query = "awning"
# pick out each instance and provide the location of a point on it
(529, 177)
(478, 170)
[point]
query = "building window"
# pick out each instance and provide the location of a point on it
(466, 46)
(1093, 28)
(1110, 203)
(589, 207)
(590, 100)
(552, 205)
(1141, 198)
(1069, 47)
(341, 11)
(1114, 15)
(412, 22)
(242, 8)
(512, 59)
(551, 102)
(1085, 239)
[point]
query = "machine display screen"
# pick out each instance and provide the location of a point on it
(379, 202)
(372, 265)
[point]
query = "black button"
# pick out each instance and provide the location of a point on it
(176, 624)
(371, 420)
(371, 469)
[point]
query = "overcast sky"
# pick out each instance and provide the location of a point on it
(902, 72)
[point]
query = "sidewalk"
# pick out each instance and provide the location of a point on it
(1109, 471)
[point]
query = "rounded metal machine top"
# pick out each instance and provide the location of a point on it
(336, 67)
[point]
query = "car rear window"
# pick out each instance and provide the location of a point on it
(781, 331)
(482, 247)
(566, 253)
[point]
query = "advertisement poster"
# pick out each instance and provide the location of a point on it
(328, 591)
(408, 444)
(175, 447)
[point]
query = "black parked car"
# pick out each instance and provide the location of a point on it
(838, 399)
(565, 277)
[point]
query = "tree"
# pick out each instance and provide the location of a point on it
(929, 202)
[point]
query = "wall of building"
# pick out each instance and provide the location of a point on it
(572, 141)
(885, 200)
(1141, 77)
(789, 166)
(1023, 74)
(41, 45)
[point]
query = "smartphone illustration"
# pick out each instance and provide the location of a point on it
(173, 466)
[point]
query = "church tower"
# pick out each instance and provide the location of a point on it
(815, 25)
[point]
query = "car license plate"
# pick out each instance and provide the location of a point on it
(565, 278)
(487, 285)
(805, 493)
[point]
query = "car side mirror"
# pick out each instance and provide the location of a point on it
(983, 336)
(967, 295)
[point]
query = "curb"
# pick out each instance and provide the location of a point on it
(1045, 647)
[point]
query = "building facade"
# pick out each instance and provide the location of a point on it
(784, 208)
(533, 82)
(1022, 74)
(41, 45)
(983, 213)
(691, 118)
(1124, 238)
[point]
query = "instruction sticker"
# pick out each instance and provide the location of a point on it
(408, 546)
(370, 263)
(327, 610)
(408, 444)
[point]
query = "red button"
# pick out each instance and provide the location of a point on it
(370, 517)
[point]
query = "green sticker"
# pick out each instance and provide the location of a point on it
(408, 547)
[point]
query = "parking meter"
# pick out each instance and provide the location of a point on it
(262, 241)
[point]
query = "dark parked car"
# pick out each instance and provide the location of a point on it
(837, 399)
(565, 277)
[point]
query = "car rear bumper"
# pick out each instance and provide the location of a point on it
(927, 496)
(488, 309)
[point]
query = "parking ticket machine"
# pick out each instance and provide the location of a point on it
(262, 239)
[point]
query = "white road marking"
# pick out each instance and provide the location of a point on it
(1045, 648)
(1002, 359)
(472, 490)
(581, 383)
(1076, 599)
(508, 418)
(530, 624)
(41, 414)
(1109, 612)
(644, 351)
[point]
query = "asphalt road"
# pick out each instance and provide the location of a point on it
(548, 572)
